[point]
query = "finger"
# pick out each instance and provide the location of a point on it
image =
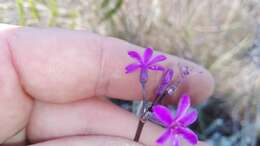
(87, 117)
(15, 105)
(89, 141)
(60, 65)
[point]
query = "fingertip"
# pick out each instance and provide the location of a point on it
(201, 87)
(210, 84)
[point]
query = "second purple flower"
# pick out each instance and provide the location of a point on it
(177, 126)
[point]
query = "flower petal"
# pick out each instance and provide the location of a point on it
(156, 67)
(131, 67)
(175, 141)
(189, 118)
(183, 106)
(163, 114)
(189, 135)
(164, 137)
(135, 55)
(147, 54)
(156, 59)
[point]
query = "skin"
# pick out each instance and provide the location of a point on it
(53, 84)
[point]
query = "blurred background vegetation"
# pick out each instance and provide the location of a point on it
(221, 35)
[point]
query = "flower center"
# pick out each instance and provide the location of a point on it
(176, 125)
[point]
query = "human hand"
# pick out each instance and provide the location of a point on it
(53, 85)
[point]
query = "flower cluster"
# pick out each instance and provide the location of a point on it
(176, 126)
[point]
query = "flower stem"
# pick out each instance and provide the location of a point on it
(140, 126)
(144, 103)
(144, 115)
(142, 111)
(139, 130)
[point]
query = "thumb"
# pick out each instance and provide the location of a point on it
(89, 141)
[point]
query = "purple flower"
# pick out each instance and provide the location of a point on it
(165, 81)
(146, 63)
(177, 126)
